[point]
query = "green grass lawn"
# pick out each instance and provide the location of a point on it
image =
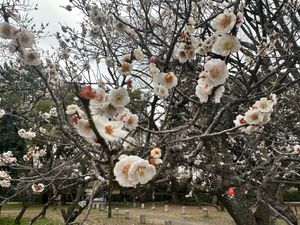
(24, 221)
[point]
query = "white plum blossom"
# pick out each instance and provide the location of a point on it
(26, 134)
(138, 54)
(169, 80)
(273, 97)
(109, 130)
(240, 120)
(84, 129)
(123, 116)
(203, 89)
(296, 149)
(125, 69)
(7, 158)
(72, 109)
(155, 153)
(119, 97)
(217, 71)
(119, 26)
(161, 91)
(7, 31)
(250, 129)
(101, 97)
(106, 109)
(267, 118)
(218, 94)
(98, 16)
(109, 61)
(239, 19)
(25, 38)
(254, 117)
(5, 183)
(142, 171)
(184, 52)
(2, 113)
(154, 72)
(42, 130)
(32, 57)
(132, 122)
(224, 22)
(226, 44)
(38, 153)
(121, 171)
(4, 179)
(82, 204)
(258, 114)
(264, 105)
(38, 187)
(46, 115)
(53, 112)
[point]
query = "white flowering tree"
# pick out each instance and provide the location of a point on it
(197, 87)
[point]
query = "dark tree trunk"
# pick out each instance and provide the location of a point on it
(238, 208)
(268, 204)
(41, 214)
(110, 186)
(25, 205)
(263, 214)
(174, 197)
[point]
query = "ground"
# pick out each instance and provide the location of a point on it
(194, 216)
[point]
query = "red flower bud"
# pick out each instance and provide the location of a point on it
(129, 83)
(153, 59)
(88, 93)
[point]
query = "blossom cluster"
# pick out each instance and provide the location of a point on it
(132, 170)
(7, 158)
(186, 49)
(108, 113)
(258, 115)
(4, 179)
(47, 115)
(296, 149)
(21, 41)
(26, 134)
(38, 187)
(211, 80)
(162, 82)
(215, 73)
(35, 153)
(224, 23)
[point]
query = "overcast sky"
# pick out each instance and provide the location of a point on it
(51, 12)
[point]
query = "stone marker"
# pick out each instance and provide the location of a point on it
(168, 222)
(102, 207)
(107, 207)
(127, 214)
(205, 212)
(183, 210)
(166, 208)
(153, 207)
(117, 211)
(142, 205)
(142, 219)
(97, 206)
(134, 204)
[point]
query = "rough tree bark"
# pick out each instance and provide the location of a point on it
(25, 205)
(238, 208)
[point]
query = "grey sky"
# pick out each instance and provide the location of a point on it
(51, 12)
